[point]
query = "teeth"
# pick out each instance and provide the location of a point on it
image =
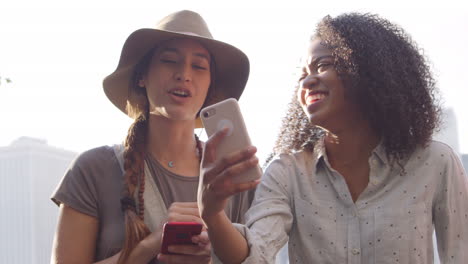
(180, 93)
(315, 97)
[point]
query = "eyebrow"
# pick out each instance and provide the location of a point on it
(315, 60)
(197, 54)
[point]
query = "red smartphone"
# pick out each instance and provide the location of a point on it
(179, 233)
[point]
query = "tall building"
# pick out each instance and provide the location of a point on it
(449, 130)
(29, 171)
(464, 159)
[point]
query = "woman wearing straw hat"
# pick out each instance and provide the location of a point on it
(114, 200)
(357, 177)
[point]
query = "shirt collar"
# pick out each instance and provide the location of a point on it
(380, 153)
(320, 154)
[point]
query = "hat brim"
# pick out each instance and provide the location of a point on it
(231, 66)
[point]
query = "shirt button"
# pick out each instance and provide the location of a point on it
(355, 251)
(374, 161)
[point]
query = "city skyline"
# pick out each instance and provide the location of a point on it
(29, 171)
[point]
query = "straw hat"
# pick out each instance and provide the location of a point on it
(231, 64)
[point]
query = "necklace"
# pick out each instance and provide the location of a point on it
(171, 164)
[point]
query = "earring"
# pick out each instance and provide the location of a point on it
(141, 83)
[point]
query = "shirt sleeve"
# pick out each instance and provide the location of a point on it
(77, 188)
(269, 219)
(451, 210)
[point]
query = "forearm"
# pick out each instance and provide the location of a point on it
(229, 245)
(142, 253)
(111, 260)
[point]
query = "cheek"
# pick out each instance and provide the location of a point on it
(300, 96)
(207, 81)
(204, 85)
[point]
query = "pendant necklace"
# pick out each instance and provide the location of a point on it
(170, 163)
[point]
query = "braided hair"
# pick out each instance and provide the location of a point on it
(134, 159)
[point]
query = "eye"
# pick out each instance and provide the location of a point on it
(200, 64)
(168, 60)
(323, 66)
(199, 67)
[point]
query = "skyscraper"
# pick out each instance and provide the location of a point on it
(449, 130)
(29, 171)
(464, 158)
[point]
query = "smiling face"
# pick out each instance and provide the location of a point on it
(321, 91)
(178, 79)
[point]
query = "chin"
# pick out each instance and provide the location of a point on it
(318, 121)
(314, 119)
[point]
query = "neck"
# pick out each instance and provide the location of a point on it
(173, 141)
(351, 145)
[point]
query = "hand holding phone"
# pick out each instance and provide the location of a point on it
(179, 233)
(227, 114)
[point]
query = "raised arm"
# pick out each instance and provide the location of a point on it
(215, 188)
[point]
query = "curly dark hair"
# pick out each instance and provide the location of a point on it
(385, 73)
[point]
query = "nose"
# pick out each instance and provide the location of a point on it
(183, 73)
(309, 82)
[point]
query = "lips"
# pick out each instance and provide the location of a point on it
(180, 92)
(314, 97)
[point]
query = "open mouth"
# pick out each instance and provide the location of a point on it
(180, 93)
(314, 98)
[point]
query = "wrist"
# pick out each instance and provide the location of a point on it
(146, 249)
(213, 219)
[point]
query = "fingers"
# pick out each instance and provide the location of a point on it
(183, 259)
(209, 152)
(184, 218)
(228, 188)
(224, 181)
(185, 204)
(238, 168)
(187, 254)
(201, 239)
(235, 163)
(193, 250)
(184, 212)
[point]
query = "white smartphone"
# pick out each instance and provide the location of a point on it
(227, 114)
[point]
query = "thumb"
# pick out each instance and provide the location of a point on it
(209, 153)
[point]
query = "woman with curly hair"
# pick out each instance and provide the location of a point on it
(114, 200)
(356, 177)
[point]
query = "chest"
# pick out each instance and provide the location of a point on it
(356, 178)
(390, 222)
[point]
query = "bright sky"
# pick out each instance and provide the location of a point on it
(57, 54)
